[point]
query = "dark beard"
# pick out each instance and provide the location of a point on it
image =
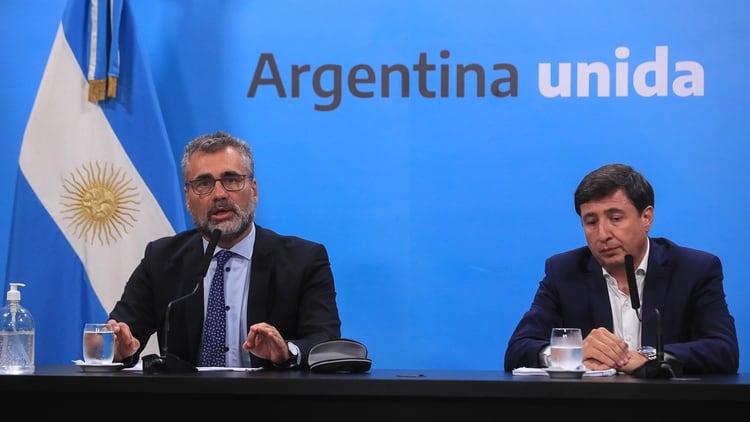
(226, 236)
(205, 227)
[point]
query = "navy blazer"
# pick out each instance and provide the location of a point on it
(291, 288)
(685, 285)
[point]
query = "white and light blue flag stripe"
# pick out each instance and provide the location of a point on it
(97, 180)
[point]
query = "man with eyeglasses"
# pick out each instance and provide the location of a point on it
(279, 294)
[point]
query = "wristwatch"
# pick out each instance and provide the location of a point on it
(293, 355)
(649, 352)
(544, 357)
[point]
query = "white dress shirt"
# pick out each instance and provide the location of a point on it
(236, 288)
(627, 322)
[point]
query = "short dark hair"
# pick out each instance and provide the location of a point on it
(610, 178)
(212, 142)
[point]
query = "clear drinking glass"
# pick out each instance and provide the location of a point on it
(566, 347)
(98, 344)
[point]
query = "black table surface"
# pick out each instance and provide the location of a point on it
(382, 382)
(384, 392)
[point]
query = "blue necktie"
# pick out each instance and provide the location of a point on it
(213, 347)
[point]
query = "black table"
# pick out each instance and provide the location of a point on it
(379, 394)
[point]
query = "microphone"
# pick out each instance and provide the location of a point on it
(657, 368)
(171, 364)
(632, 286)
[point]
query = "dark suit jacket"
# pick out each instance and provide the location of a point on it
(291, 288)
(685, 285)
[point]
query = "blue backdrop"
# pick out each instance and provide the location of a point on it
(434, 146)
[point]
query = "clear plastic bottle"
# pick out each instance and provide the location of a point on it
(16, 335)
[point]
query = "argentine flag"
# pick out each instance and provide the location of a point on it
(97, 178)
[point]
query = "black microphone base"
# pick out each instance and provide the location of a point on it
(168, 364)
(659, 369)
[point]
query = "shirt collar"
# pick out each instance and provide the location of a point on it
(243, 248)
(642, 266)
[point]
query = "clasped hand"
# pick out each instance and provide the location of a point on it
(603, 350)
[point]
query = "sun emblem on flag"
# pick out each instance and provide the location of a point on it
(100, 202)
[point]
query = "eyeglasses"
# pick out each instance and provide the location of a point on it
(205, 185)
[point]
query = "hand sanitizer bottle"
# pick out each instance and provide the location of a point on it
(16, 335)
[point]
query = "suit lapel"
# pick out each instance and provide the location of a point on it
(654, 291)
(599, 297)
(194, 304)
(261, 269)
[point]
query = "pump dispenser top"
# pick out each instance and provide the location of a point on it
(14, 296)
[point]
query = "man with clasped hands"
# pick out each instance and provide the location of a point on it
(588, 288)
(280, 292)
